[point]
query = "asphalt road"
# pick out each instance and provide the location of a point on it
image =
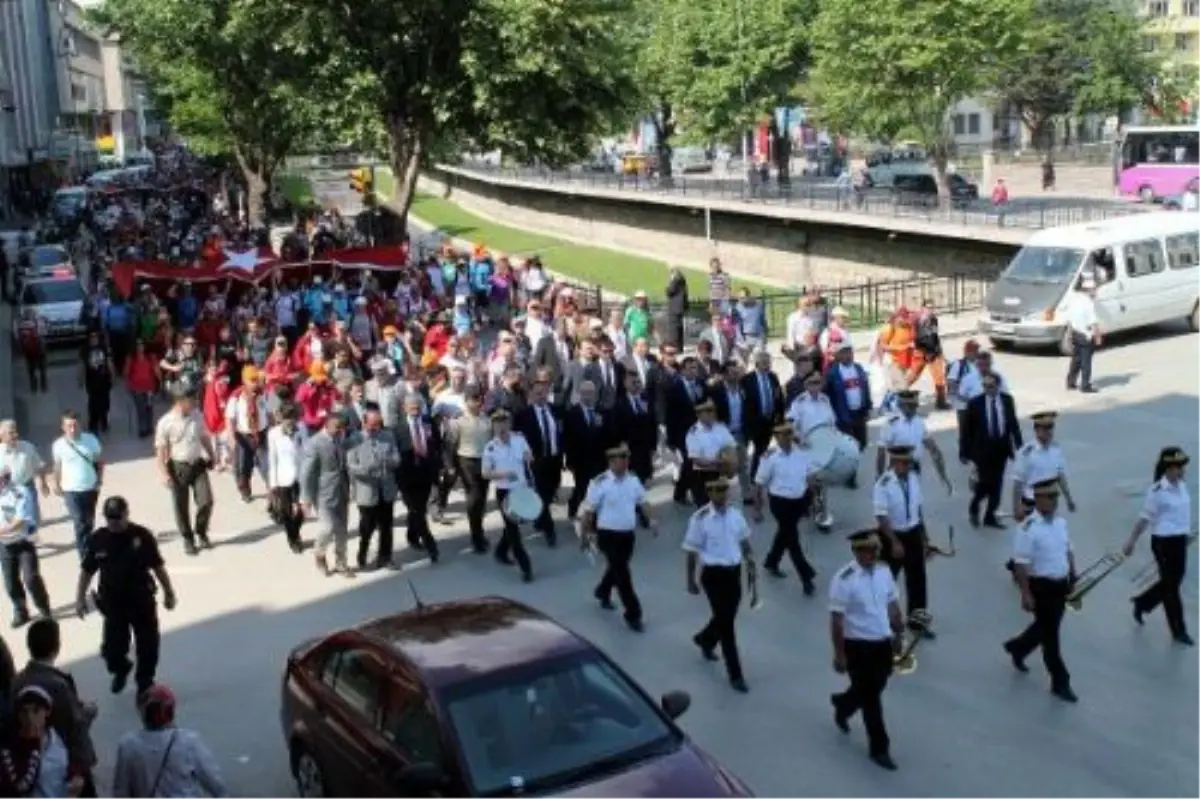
(964, 725)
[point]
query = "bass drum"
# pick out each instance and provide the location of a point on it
(833, 453)
(522, 505)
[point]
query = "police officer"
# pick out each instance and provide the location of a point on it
(897, 507)
(615, 503)
(126, 556)
(1045, 571)
(506, 462)
(784, 475)
(906, 428)
(704, 443)
(865, 623)
(718, 541)
(1040, 460)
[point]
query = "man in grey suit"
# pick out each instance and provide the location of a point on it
(372, 460)
(385, 390)
(325, 489)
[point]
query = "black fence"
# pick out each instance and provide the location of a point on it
(1030, 213)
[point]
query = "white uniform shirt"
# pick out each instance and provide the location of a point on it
(1042, 546)
(1081, 313)
(902, 431)
(615, 501)
(1168, 509)
(889, 499)
(241, 412)
(808, 413)
(717, 536)
(283, 457)
(501, 457)
(956, 375)
(784, 474)
(1035, 464)
(861, 596)
(706, 443)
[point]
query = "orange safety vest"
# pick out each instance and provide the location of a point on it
(897, 339)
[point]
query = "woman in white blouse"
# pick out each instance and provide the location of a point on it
(1167, 514)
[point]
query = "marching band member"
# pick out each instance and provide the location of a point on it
(907, 429)
(718, 539)
(1040, 460)
(811, 409)
(1167, 513)
(1045, 571)
(865, 621)
(897, 505)
(615, 503)
(506, 461)
(704, 443)
(784, 475)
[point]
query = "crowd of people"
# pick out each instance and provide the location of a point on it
(384, 391)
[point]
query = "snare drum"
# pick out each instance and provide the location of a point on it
(522, 505)
(834, 454)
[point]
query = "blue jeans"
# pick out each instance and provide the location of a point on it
(81, 506)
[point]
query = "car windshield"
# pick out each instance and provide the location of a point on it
(46, 257)
(539, 728)
(48, 292)
(1044, 265)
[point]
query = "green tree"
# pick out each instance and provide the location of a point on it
(227, 84)
(534, 78)
(1120, 74)
(662, 40)
(882, 66)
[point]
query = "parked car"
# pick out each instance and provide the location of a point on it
(59, 299)
(922, 189)
(483, 697)
(1178, 202)
(43, 260)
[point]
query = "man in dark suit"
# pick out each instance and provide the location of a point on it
(554, 352)
(992, 436)
(679, 412)
(543, 431)
(420, 448)
(607, 374)
(633, 424)
(666, 376)
(510, 394)
(677, 305)
(641, 363)
(764, 406)
(585, 435)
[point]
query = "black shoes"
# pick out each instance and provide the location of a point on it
(739, 684)
(189, 548)
(1137, 613)
(20, 618)
(1184, 639)
(775, 572)
(993, 522)
(1018, 662)
(119, 681)
(884, 761)
(840, 719)
(1064, 693)
(705, 651)
(810, 587)
(636, 625)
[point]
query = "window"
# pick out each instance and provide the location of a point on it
(1161, 147)
(410, 724)
(1183, 41)
(1044, 265)
(960, 124)
(1191, 8)
(1144, 258)
(86, 46)
(1158, 8)
(1149, 43)
(78, 92)
(973, 124)
(354, 676)
(50, 292)
(1183, 251)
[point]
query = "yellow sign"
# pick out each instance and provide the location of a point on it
(106, 144)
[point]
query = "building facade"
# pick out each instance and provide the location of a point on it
(1173, 29)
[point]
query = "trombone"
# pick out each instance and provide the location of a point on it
(1091, 577)
(904, 661)
(1148, 574)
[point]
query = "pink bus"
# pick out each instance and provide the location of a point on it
(1157, 161)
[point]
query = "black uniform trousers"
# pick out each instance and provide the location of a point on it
(547, 479)
(583, 476)
(685, 482)
(99, 401)
(284, 500)
(1170, 552)
(990, 485)
(511, 541)
(788, 513)
(470, 471)
(1049, 604)
(723, 587)
(135, 616)
(416, 487)
(188, 480)
(617, 547)
(1082, 350)
(913, 566)
(378, 518)
(868, 665)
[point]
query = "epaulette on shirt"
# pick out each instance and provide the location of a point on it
(701, 514)
(1158, 486)
(1028, 521)
(895, 417)
(847, 573)
(884, 479)
(1028, 448)
(695, 427)
(600, 478)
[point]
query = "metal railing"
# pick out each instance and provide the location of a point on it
(1033, 213)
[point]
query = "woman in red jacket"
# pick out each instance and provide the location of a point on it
(216, 398)
(316, 397)
(277, 369)
(307, 349)
(141, 375)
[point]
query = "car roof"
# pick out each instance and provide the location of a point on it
(1114, 230)
(452, 642)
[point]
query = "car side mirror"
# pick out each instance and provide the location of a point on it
(420, 778)
(675, 703)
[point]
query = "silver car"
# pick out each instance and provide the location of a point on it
(58, 300)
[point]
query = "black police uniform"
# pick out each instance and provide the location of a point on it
(125, 598)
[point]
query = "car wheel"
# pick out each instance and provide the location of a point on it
(310, 780)
(1065, 345)
(1193, 319)
(1146, 194)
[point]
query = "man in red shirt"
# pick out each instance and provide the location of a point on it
(316, 397)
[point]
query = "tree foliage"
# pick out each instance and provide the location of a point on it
(1121, 75)
(885, 65)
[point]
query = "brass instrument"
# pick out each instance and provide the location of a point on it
(752, 584)
(905, 660)
(947, 551)
(1148, 574)
(1092, 576)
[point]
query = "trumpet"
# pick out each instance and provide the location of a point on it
(947, 551)
(904, 661)
(1148, 574)
(1091, 577)
(752, 584)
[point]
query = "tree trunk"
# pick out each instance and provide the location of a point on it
(781, 152)
(940, 155)
(405, 146)
(664, 131)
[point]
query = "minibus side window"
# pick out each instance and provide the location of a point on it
(1183, 250)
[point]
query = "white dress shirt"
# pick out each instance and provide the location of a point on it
(904, 431)
(901, 508)
(1042, 545)
(1035, 464)
(784, 474)
(284, 452)
(241, 413)
(861, 596)
(499, 456)
(716, 536)
(970, 385)
(1081, 313)
(854, 386)
(808, 413)
(1168, 509)
(799, 327)
(956, 375)
(705, 443)
(642, 366)
(615, 500)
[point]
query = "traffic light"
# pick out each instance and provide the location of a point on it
(360, 180)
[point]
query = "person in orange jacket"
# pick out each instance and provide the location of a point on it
(928, 352)
(897, 339)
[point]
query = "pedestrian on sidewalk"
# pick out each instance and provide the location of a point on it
(32, 331)
(18, 549)
(1085, 335)
(96, 373)
(185, 453)
(141, 378)
(162, 759)
(78, 474)
(23, 461)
